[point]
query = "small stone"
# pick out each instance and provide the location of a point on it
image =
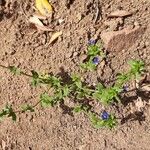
(147, 43)
(113, 24)
(82, 57)
(61, 21)
(136, 24)
(68, 55)
(79, 16)
(123, 39)
(75, 54)
(120, 13)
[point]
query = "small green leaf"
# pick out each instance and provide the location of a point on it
(35, 75)
(81, 108)
(8, 111)
(77, 81)
(35, 82)
(107, 95)
(77, 109)
(99, 123)
(96, 122)
(55, 82)
(27, 107)
(89, 65)
(99, 87)
(93, 50)
(35, 78)
(46, 100)
(66, 91)
(14, 70)
(122, 79)
(137, 67)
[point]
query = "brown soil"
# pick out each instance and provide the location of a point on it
(22, 46)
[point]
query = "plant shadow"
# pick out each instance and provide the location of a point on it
(136, 116)
(66, 109)
(66, 78)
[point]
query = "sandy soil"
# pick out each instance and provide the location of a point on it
(23, 46)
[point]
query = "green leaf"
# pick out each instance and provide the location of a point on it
(8, 111)
(59, 95)
(35, 75)
(99, 123)
(89, 65)
(14, 70)
(107, 95)
(66, 91)
(111, 122)
(35, 78)
(93, 50)
(81, 108)
(137, 67)
(77, 109)
(96, 122)
(77, 81)
(122, 79)
(27, 107)
(35, 82)
(46, 100)
(99, 87)
(55, 82)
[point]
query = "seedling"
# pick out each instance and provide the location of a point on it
(107, 95)
(81, 108)
(107, 120)
(47, 100)
(14, 70)
(8, 111)
(137, 68)
(95, 55)
(79, 90)
(27, 107)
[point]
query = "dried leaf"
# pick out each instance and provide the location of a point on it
(119, 13)
(55, 36)
(44, 7)
(36, 21)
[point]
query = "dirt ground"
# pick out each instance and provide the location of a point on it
(23, 46)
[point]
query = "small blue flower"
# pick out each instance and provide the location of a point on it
(105, 115)
(125, 88)
(92, 42)
(96, 60)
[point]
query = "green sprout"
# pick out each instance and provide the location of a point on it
(27, 107)
(8, 111)
(94, 55)
(107, 95)
(46, 100)
(110, 122)
(80, 90)
(137, 68)
(14, 70)
(81, 108)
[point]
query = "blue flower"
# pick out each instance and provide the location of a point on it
(105, 115)
(125, 88)
(95, 60)
(92, 42)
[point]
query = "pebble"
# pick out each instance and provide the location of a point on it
(82, 57)
(123, 39)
